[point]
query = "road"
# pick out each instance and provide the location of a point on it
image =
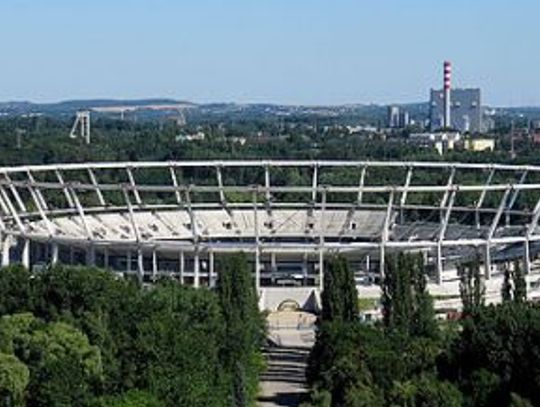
(283, 384)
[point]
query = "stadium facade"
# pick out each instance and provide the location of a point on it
(152, 219)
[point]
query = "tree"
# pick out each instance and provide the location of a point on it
(15, 290)
(426, 391)
(64, 367)
(407, 306)
(338, 364)
(397, 294)
(423, 322)
(339, 298)
(133, 398)
(493, 357)
(471, 287)
(519, 283)
(179, 341)
(506, 288)
(14, 378)
(244, 327)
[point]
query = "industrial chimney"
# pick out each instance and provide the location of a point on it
(447, 85)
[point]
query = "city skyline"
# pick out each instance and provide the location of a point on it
(314, 53)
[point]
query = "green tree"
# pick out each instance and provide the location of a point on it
(132, 398)
(244, 327)
(519, 283)
(339, 298)
(407, 306)
(506, 288)
(338, 364)
(471, 287)
(14, 378)
(423, 322)
(15, 290)
(179, 340)
(64, 368)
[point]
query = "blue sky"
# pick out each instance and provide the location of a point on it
(281, 51)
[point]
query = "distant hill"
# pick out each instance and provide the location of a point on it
(69, 107)
(156, 108)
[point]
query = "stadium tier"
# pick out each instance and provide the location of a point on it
(176, 218)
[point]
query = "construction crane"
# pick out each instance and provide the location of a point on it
(81, 127)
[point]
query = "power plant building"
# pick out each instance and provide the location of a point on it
(397, 117)
(465, 110)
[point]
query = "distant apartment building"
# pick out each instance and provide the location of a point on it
(398, 117)
(465, 110)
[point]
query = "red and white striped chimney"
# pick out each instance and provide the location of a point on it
(447, 86)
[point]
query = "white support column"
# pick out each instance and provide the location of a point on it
(361, 184)
(25, 255)
(487, 261)
(527, 256)
(257, 242)
(440, 266)
(267, 183)
(211, 273)
(321, 270)
(257, 272)
(182, 266)
(368, 263)
(6, 246)
(54, 253)
(196, 269)
(385, 234)
(314, 182)
(140, 264)
(321, 240)
(154, 264)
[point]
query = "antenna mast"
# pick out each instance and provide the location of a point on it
(81, 127)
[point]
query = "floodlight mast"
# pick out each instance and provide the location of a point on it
(81, 126)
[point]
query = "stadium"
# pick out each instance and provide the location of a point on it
(154, 219)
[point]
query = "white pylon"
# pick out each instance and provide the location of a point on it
(81, 127)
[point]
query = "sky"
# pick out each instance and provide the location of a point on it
(276, 51)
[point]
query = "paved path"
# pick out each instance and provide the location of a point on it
(283, 384)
